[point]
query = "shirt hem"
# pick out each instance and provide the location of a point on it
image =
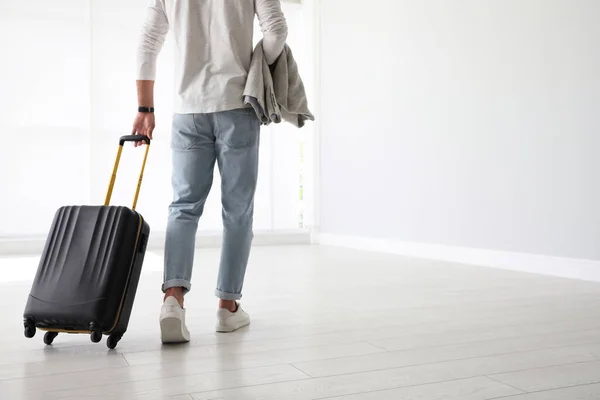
(209, 110)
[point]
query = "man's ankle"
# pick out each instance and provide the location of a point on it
(176, 292)
(230, 305)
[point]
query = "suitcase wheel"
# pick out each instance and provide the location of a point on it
(112, 341)
(49, 337)
(96, 333)
(29, 329)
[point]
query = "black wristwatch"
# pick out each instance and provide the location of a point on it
(146, 109)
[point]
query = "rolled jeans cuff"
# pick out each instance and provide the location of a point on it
(227, 296)
(187, 286)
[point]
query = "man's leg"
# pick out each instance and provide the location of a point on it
(193, 158)
(237, 146)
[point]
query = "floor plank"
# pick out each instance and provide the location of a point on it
(533, 380)
(463, 389)
(555, 333)
(584, 392)
(44, 365)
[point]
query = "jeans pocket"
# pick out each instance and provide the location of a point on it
(183, 133)
(238, 128)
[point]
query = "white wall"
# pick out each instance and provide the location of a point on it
(463, 123)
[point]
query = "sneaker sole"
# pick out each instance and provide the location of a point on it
(171, 331)
(228, 329)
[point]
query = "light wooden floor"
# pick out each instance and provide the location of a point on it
(328, 324)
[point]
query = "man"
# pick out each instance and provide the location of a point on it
(211, 124)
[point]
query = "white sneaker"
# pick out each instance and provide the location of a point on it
(172, 322)
(229, 322)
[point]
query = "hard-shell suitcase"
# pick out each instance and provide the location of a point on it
(90, 267)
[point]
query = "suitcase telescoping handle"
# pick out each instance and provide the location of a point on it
(122, 140)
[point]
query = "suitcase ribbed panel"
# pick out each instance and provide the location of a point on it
(84, 270)
(56, 244)
(81, 262)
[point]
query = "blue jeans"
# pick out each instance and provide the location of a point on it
(231, 138)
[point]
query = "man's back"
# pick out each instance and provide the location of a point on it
(213, 40)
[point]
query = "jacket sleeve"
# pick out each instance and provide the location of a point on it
(152, 38)
(273, 26)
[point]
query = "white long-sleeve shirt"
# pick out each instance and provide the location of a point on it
(214, 43)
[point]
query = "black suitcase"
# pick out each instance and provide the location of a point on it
(90, 267)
